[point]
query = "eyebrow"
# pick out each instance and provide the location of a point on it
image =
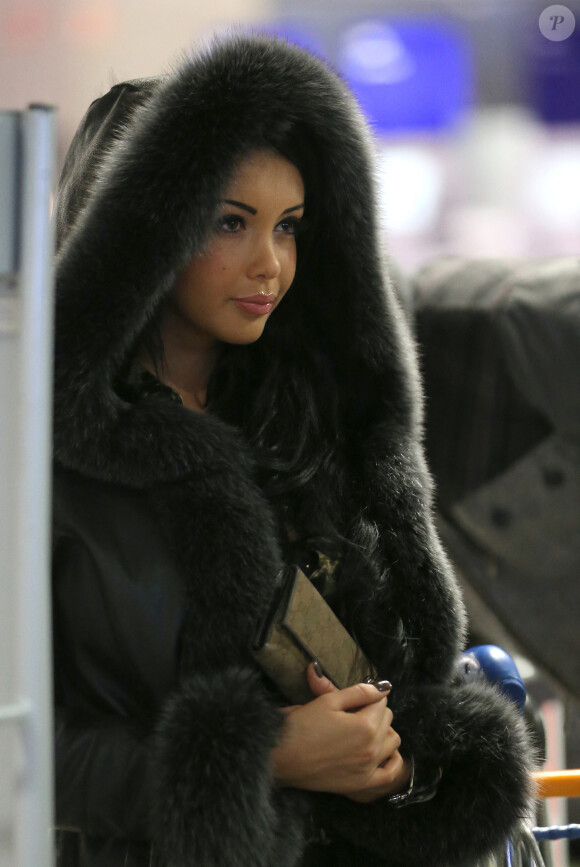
(251, 210)
(240, 205)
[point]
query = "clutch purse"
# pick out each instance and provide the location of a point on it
(301, 627)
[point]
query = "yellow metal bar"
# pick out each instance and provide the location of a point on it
(558, 784)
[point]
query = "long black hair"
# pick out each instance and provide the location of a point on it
(281, 391)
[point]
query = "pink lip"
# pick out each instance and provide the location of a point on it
(258, 305)
(260, 298)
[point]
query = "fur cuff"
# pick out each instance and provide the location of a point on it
(479, 740)
(215, 803)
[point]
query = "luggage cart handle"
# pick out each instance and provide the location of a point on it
(558, 784)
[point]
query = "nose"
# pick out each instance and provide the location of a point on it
(265, 261)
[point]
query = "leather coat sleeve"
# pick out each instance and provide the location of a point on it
(102, 776)
(117, 606)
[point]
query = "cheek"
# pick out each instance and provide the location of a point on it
(210, 273)
(289, 266)
(193, 290)
(217, 260)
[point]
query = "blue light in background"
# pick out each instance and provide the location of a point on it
(408, 74)
(297, 35)
(554, 78)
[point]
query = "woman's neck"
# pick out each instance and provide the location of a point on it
(186, 368)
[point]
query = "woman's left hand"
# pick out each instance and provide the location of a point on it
(398, 767)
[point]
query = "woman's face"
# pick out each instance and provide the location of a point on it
(228, 292)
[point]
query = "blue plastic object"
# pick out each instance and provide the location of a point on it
(491, 663)
(408, 74)
(557, 832)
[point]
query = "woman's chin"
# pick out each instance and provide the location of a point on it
(243, 336)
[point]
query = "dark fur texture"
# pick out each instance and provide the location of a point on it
(138, 195)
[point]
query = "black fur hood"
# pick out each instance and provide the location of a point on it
(137, 197)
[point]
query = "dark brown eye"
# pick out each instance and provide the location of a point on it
(289, 225)
(231, 223)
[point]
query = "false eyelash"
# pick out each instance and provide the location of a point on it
(298, 224)
(301, 225)
(222, 221)
(292, 221)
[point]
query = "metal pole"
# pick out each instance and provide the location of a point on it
(33, 548)
(25, 406)
(12, 708)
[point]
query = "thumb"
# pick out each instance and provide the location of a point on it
(360, 695)
(319, 684)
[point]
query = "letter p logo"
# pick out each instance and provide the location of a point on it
(557, 23)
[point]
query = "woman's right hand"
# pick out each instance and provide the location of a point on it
(326, 747)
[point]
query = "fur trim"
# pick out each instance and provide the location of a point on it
(479, 740)
(160, 172)
(220, 531)
(217, 805)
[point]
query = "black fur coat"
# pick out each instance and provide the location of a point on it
(160, 710)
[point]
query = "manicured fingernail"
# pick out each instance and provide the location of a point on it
(318, 668)
(384, 685)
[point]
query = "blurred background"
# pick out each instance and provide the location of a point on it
(476, 111)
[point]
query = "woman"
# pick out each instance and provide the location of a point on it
(235, 390)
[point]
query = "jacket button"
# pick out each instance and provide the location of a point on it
(553, 477)
(501, 517)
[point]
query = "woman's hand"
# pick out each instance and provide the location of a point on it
(341, 742)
